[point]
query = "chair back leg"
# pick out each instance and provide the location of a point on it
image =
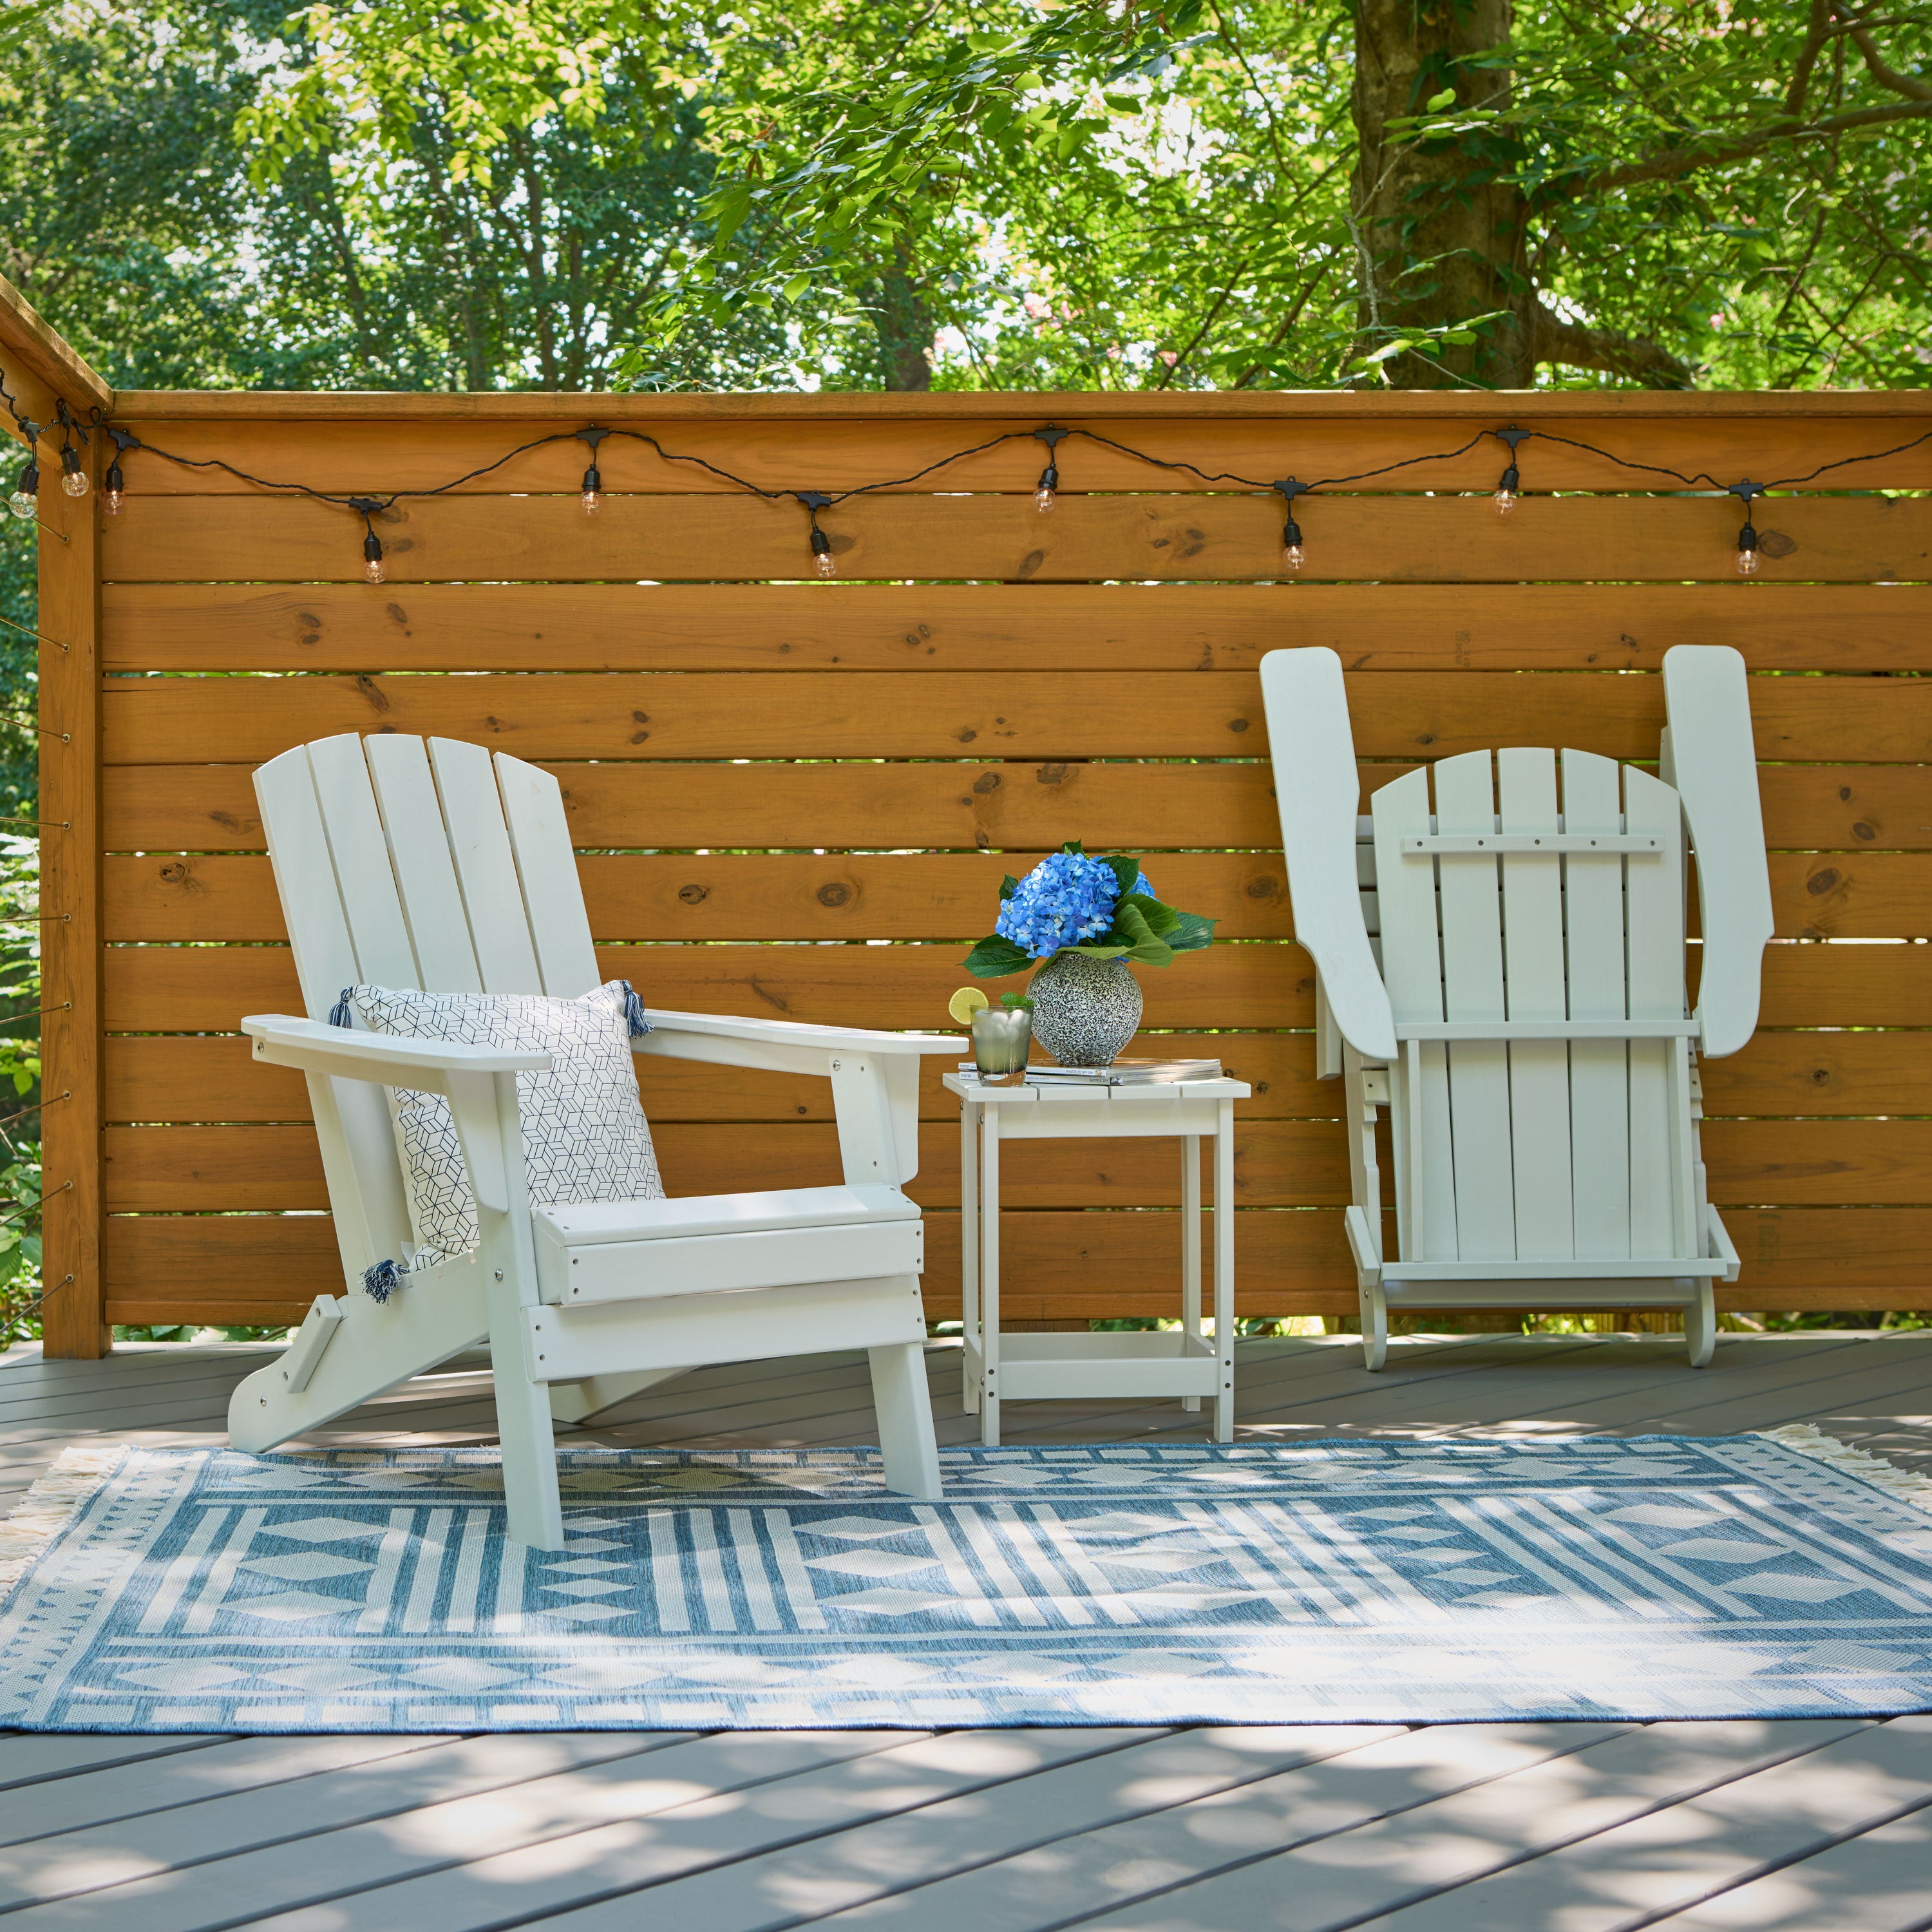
(1375, 1326)
(1700, 1322)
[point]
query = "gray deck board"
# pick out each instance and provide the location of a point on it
(878, 1861)
(1880, 1881)
(1360, 1872)
(1811, 1826)
(769, 1822)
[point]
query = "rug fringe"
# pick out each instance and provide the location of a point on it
(51, 1505)
(1810, 1440)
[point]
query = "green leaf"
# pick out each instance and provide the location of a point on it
(1437, 102)
(1191, 934)
(796, 286)
(1125, 871)
(1144, 943)
(1008, 887)
(994, 958)
(729, 207)
(1162, 918)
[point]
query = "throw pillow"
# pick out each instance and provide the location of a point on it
(585, 1135)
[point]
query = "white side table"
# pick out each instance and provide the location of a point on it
(1018, 1368)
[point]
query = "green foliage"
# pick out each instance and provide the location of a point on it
(200, 193)
(1097, 197)
(19, 1091)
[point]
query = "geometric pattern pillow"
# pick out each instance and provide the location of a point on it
(585, 1135)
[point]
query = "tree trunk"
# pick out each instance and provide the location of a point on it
(1440, 242)
(903, 326)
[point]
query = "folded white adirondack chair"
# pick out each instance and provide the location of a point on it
(1505, 974)
(436, 867)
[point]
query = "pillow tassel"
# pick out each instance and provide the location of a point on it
(339, 1014)
(634, 1011)
(382, 1280)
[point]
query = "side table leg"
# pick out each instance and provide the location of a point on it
(1190, 1248)
(969, 1255)
(1224, 1271)
(989, 1275)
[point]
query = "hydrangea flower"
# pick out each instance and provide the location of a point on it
(1066, 899)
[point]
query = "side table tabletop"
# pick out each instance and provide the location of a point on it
(1033, 1367)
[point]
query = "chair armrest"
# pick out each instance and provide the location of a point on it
(388, 1059)
(796, 1033)
(875, 1077)
(484, 1112)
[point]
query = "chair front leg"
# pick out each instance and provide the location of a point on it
(903, 1404)
(484, 1108)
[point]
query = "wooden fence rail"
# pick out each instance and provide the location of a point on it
(798, 799)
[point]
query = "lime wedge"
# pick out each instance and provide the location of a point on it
(964, 1003)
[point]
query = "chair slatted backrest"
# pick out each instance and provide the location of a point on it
(1536, 1150)
(427, 864)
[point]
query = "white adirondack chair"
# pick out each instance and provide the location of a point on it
(437, 867)
(1505, 974)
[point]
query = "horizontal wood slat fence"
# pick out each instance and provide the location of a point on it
(798, 799)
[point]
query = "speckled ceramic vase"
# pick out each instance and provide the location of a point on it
(1085, 1010)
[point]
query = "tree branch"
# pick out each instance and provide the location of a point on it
(1881, 71)
(1674, 163)
(1553, 339)
(1816, 34)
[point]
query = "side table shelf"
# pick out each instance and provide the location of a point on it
(1184, 1363)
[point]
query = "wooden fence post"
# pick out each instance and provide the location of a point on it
(41, 369)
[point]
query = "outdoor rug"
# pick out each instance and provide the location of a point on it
(1659, 1576)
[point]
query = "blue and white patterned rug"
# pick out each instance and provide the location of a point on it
(182, 1590)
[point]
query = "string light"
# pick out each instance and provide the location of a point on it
(373, 571)
(1043, 498)
(815, 500)
(114, 485)
(1746, 536)
(26, 500)
(593, 481)
(1510, 486)
(73, 478)
(1292, 552)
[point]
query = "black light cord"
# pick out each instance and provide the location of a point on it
(815, 501)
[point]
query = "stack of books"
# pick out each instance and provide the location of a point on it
(1125, 1073)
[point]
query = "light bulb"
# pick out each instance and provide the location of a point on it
(821, 550)
(592, 502)
(826, 568)
(114, 500)
(1505, 501)
(373, 571)
(75, 483)
(593, 491)
(1746, 563)
(22, 504)
(114, 486)
(1293, 556)
(1043, 499)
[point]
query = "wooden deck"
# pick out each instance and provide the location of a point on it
(1798, 1826)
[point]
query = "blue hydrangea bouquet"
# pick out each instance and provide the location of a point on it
(1078, 902)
